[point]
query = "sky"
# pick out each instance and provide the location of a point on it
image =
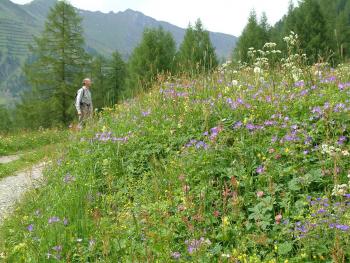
(225, 16)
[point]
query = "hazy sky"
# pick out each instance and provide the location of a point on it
(226, 16)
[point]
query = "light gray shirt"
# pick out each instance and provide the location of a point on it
(83, 96)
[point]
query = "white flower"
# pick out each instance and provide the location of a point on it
(257, 70)
(340, 189)
(225, 255)
(234, 82)
(345, 153)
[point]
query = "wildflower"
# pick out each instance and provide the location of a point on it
(257, 70)
(342, 139)
(186, 188)
(146, 113)
(260, 169)
(271, 150)
(65, 221)
(260, 194)
(234, 82)
(57, 248)
(278, 218)
(201, 144)
(343, 227)
(225, 255)
(54, 220)
(237, 125)
(340, 189)
(181, 177)
(225, 221)
(176, 255)
(30, 228)
(92, 243)
(68, 178)
(345, 153)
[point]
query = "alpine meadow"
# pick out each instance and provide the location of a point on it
(189, 156)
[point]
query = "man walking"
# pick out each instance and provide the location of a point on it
(83, 103)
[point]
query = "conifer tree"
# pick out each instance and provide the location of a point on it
(57, 70)
(196, 51)
(115, 79)
(254, 35)
(154, 55)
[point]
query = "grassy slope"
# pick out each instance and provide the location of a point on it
(25, 141)
(203, 171)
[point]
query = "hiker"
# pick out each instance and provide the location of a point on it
(83, 103)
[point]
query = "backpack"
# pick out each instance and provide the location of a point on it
(76, 96)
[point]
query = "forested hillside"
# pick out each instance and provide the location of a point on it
(104, 33)
(323, 27)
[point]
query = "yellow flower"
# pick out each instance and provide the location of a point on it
(225, 221)
(286, 150)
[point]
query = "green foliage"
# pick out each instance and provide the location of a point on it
(196, 53)
(116, 76)
(59, 54)
(5, 120)
(154, 55)
(108, 77)
(24, 140)
(323, 27)
(254, 35)
(248, 166)
(31, 157)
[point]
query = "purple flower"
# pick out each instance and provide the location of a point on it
(274, 139)
(68, 178)
(260, 169)
(201, 144)
(250, 126)
(191, 143)
(176, 255)
(317, 110)
(65, 221)
(30, 228)
(341, 140)
(146, 113)
(54, 220)
(57, 248)
(237, 125)
(339, 107)
(269, 123)
(343, 227)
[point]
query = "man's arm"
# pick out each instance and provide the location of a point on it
(77, 103)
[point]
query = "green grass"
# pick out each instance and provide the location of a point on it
(23, 141)
(201, 170)
(27, 159)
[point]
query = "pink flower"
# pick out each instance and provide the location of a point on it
(278, 218)
(259, 194)
(186, 188)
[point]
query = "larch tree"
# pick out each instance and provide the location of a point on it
(58, 67)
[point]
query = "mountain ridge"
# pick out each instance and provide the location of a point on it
(104, 33)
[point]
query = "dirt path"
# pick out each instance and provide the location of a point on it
(13, 187)
(8, 159)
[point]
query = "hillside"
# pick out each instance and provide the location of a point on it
(104, 33)
(244, 165)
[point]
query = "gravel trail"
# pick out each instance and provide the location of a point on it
(13, 187)
(8, 159)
